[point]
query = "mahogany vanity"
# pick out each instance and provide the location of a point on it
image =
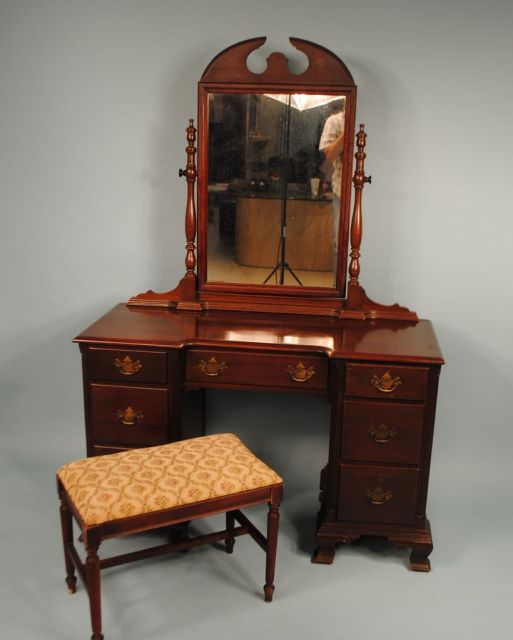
(279, 321)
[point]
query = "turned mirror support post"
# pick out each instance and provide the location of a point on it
(359, 181)
(189, 289)
(190, 211)
(354, 291)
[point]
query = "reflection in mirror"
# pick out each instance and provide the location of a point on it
(274, 181)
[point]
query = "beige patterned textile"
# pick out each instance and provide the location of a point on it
(122, 485)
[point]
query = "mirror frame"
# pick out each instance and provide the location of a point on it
(228, 73)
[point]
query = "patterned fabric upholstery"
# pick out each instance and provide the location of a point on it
(121, 485)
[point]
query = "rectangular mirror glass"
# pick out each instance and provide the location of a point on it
(274, 188)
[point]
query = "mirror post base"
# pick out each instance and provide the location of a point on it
(357, 306)
(184, 296)
(360, 306)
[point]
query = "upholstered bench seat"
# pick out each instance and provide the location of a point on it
(143, 489)
(142, 481)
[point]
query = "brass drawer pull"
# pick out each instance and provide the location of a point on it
(300, 373)
(212, 367)
(130, 417)
(377, 496)
(127, 366)
(386, 383)
(382, 434)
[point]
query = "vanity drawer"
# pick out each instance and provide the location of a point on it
(377, 494)
(128, 415)
(257, 369)
(386, 382)
(382, 432)
(127, 365)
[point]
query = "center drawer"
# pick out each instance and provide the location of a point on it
(292, 371)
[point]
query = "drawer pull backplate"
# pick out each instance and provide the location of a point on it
(378, 496)
(300, 373)
(129, 416)
(382, 433)
(386, 383)
(127, 366)
(212, 367)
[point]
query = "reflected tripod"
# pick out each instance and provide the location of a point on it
(282, 265)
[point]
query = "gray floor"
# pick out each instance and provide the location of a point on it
(367, 593)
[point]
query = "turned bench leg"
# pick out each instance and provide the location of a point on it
(93, 585)
(67, 539)
(229, 541)
(273, 521)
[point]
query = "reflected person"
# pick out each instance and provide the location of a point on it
(331, 144)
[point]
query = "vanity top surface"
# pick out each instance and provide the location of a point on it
(361, 340)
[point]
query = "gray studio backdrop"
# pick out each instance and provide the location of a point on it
(94, 101)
